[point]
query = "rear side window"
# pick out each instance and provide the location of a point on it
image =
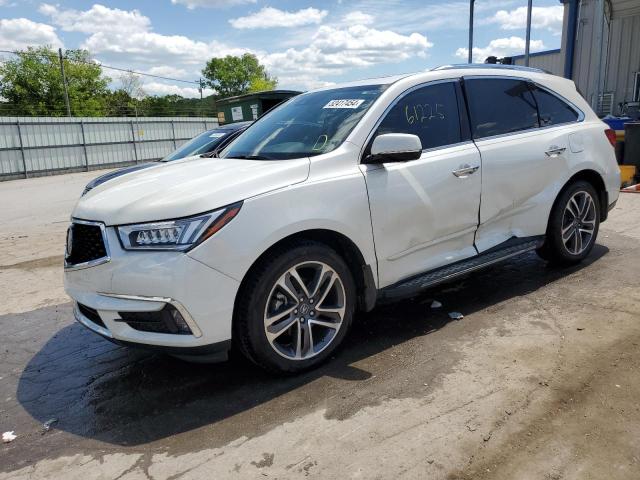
(430, 112)
(552, 110)
(498, 106)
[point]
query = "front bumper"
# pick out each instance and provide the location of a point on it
(148, 281)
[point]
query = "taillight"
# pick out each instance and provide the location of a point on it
(611, 136)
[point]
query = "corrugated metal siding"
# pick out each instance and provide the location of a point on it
(625, 8)
(621, 47)
(50, 144)
(551, 62)
(624, 58)
(585, 65)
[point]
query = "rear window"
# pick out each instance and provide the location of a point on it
(498, 106)
(552, 110)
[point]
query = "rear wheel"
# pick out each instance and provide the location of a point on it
(573, 225)
(296, 308)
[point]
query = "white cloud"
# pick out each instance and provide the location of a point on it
(19, 33)
(358, 17)
(167, 71)
(444, 15)
(270, 17)
(191, 4)
(127, 37)
(303, 82)
(368, 45)
(334, 49)
(500, 47)
(97, 19)
(153, 48)
(549, 18)
(160, 89)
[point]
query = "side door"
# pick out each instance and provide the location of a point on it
(520, 160)
(424, 212)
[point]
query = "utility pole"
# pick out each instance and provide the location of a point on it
(64, 83)
(201, 88)
(528, 39)
(470, 59)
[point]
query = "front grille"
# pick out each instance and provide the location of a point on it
(91, 314)
(85, 243)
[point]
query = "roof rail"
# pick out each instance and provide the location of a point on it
(489, 65)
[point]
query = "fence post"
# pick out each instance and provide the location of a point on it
(84, 146)
(24, 162)
(173, 132)
(133, 133)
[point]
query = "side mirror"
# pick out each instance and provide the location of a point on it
(395, 147)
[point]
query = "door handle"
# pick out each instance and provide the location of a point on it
(465, 170)
(555, 151)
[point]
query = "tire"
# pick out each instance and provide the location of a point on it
(268, 319)
(573, 225)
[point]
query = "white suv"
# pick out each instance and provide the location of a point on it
(340, 198)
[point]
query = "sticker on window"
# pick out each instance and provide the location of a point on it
(216, 135)
(345, 103)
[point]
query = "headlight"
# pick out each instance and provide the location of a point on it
(181, 234)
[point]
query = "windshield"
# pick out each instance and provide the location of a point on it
(202, 143)
(306, 125)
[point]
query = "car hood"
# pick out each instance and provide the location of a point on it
(183, 188)
(116, 173)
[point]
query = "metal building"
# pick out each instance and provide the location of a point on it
(550, 60)
(251, 105)
(600, 51)
(603, 54)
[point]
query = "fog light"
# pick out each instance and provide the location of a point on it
(180, 322)
(168, 320)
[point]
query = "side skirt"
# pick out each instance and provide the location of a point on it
(414, 285)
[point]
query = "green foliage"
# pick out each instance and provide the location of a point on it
(233, 75)
(32, 83)
(259, 84)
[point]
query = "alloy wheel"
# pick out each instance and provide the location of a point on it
(305, 310)
(579, 222)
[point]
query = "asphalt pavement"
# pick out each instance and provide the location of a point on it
(539, 380)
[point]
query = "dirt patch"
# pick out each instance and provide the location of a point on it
(583, 430)
(53, 261)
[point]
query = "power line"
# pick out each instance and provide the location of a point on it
(101, 65)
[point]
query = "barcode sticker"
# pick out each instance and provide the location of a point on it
(345, 103)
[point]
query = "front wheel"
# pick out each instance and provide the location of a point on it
(297, 308)
(573, 225)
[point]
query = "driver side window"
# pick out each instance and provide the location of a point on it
(430, 112)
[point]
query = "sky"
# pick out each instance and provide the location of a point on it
(304, 43)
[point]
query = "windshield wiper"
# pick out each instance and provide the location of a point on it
(213, 154)
(251, 157)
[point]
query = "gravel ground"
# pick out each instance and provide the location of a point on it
(539, 380)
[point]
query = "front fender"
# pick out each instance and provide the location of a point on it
(338, 204)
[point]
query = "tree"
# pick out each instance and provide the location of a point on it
(131, 84)
(31, 84)
(259, 84)
(233, 75)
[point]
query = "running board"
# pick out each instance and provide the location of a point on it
(413, 285)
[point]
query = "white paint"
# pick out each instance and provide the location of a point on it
(418, 213)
